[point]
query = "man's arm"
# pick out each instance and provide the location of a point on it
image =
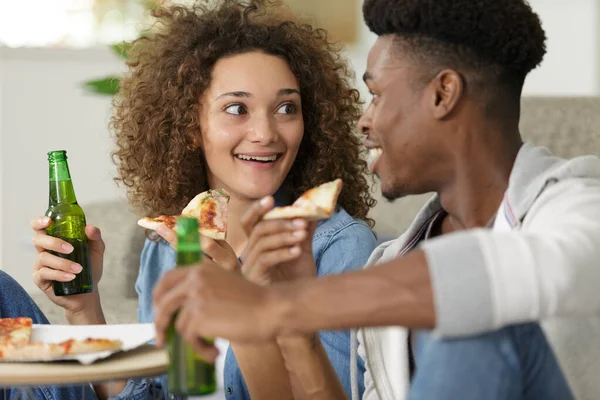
(468, 282)
(484, 280)
(394, 293)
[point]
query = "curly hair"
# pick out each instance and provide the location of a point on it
(504, 37)
(156, 119)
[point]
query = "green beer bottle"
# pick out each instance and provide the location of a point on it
(68, 224)
(188, 374)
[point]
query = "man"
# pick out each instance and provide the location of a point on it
(511, 236)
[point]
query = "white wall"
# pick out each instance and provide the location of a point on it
(571, 66)
(42, 108)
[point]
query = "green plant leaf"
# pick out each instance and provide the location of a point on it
(106, 86)
(122, 49)
(152, 5)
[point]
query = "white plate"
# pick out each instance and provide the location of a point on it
(132, 336)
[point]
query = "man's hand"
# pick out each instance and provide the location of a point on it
(212, 302)
(277, 250)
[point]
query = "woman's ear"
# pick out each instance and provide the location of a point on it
(196, 141)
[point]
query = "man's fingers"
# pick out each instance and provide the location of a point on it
(168, 296)
(166, 308)
(269, 260)
(273, 228)
(186, 325)
(170, 279)
(40, 223)
(282, 241)
(256, 212)
(43, 242)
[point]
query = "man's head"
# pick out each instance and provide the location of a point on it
(437, 66)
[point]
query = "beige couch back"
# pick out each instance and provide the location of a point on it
(567, 126)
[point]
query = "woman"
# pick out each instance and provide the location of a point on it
(235, 97)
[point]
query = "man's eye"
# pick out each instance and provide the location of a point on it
(235, 109)
(288, 108)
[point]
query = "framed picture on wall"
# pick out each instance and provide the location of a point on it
(338, 17)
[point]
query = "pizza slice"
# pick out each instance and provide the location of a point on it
(315, 204)
(90, 345)
(15, 332)
(15, 343)
(49, 351)
(210, 208)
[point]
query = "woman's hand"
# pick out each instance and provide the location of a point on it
(218, 251)
(278, 250)
(48, 267)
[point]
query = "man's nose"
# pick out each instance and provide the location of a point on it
(364, 123)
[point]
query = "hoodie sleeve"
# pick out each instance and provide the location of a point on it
(484, 280)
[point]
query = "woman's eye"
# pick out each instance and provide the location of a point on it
(287, 109)
(235, 109)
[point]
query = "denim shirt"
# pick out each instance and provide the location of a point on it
(340, 243)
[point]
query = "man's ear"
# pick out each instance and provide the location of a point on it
(448, 88)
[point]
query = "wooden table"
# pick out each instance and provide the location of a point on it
(145, 361)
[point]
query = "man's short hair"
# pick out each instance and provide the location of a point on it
(498, 40)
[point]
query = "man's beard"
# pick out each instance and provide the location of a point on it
(394, 192)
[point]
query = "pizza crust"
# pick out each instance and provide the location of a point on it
(210, 208)
(149, 223)
(315, 204)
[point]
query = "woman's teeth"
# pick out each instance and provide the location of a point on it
(257, 158)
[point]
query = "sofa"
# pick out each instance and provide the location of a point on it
(568, 126)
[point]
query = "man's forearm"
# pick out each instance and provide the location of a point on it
(395, 293)
(264, 370)
(311, 374)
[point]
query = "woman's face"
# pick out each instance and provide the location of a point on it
(251, 123)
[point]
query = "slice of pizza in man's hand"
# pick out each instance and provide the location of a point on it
(315, 204)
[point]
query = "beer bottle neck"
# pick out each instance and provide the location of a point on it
(61, 186)
(189, 249)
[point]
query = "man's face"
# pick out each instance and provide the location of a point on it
(398, 123)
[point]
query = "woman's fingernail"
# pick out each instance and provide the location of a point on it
(295, 250)
(264, 201)
(67, 247)
(76, 268)
(69, 276)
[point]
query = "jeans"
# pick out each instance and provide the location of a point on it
(15, 302)
(513, 363)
